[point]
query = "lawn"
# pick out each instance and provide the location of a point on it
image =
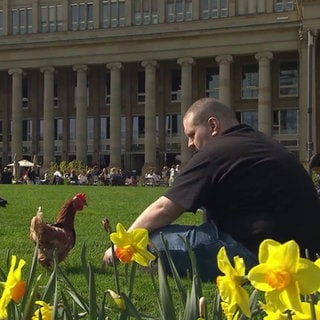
(118, 204)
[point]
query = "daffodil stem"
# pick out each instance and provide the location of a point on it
(115, 269)
(312, 308)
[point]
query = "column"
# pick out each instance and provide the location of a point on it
(150, 114)
(303, 98)
(16, 129)
(65, 15)
(186, 101)
(35, 16)
(96, 14)
(115, 114)
(264, 97)
(48, 116)
(225, 79)
(6, 15)
(81, 113)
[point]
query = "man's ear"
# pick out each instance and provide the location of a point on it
(214, 125)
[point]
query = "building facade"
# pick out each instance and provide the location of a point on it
(107, 81)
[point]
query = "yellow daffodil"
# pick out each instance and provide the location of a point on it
(306, 314)
(273, 313)
(283, 275)
(230, 287)
(14, 288)
(117, 299)
(44, 312)
(230, 311)
(132, 245)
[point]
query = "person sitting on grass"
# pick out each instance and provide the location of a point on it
(250, 187)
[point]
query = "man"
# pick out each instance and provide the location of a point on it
(250, 187)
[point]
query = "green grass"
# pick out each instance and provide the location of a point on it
(118, 204)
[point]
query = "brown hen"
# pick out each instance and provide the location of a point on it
(60, 235)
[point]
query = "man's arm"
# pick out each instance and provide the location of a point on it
(159, 214)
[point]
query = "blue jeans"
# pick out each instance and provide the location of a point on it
(205, 241)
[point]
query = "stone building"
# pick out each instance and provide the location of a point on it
(106, 81)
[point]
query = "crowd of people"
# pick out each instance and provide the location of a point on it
(92, 176)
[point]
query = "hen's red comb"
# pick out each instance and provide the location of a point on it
(81, 196)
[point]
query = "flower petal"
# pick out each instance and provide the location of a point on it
(308, 276)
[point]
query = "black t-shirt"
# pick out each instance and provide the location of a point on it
(252, 188)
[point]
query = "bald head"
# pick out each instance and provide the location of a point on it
(205, 119)
(205, 108)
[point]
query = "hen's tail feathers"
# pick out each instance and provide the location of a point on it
(36, 226)
(3, 202)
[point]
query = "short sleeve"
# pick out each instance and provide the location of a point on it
(192, 184)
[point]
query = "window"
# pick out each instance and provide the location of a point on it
(145, 12)
(283, 5)
(212, 82)
(1, 23)
(58, 130)
(250, 81)
(288, 79)
(51, 18)
(107, 89)
(123, 130)
(173, 125)
(113, 13)
(72, 129)
(27, 130)
(90, 128)
(248, 117)
(21, 21)
(55, 93)
(1, 131)
(41, 129)
(175, 85)
(141, 87)
(179, 10)
(285, 121)
(105, 128)
(214, 9)
(25, 90)
(81, 16)
(138, 128)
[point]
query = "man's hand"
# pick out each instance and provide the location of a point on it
(107, 258)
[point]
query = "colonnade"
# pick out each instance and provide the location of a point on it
(186, 63)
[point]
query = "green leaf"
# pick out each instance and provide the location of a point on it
(175, 274)
(79, 300)
(84, 263)
(55, 297)
(102, 312)
(131, 279)
(51, 286)
(31, 277)
(66, 307)
(192, 305)
(217, 313)
(196, 278)
(74, 294)
(92, 296)
(166, 301)
(129, 308)
(28, 307)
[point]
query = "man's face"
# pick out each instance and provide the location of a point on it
(198, 136)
